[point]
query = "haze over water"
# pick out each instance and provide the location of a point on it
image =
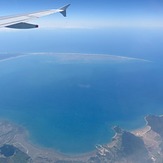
(71, 105)
(69, 102)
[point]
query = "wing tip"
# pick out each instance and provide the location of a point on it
(63, 10)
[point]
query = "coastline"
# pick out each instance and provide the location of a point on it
(18, 136)
(145, 145)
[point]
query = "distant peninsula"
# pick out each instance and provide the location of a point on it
(143, 145)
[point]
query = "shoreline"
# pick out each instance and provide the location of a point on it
(18, 136)
(22, 141)
(147, 139)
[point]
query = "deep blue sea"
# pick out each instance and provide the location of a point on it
(70, 102)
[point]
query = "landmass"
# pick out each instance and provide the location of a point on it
(143, 145)
(73, 57)
(9, 56)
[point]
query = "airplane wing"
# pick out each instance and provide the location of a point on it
(21, 21)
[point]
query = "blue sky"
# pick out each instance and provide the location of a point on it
(120, 27)
(91, 14)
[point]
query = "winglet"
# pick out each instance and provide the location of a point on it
(63, 10)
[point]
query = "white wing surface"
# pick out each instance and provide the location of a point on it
(20, 21)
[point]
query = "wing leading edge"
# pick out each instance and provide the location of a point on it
(20, 21)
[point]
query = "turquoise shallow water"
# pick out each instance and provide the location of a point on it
(70, 103)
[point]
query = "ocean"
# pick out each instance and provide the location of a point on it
(69, 102)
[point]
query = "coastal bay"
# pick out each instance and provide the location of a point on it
(147, 140)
